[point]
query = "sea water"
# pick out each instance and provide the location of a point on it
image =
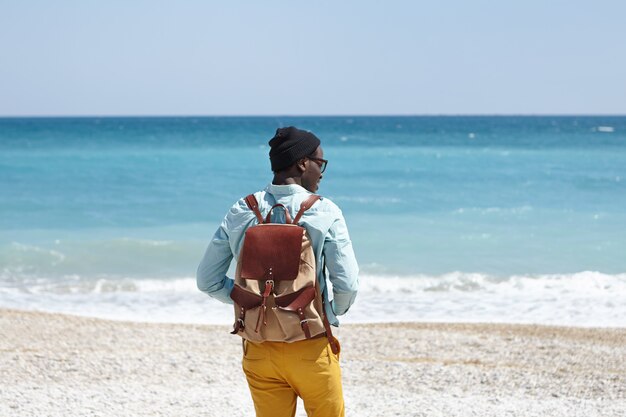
(507, 219)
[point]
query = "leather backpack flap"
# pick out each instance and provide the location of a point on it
(296, 300)
(271, 252)
(245, 299)
(306, 271)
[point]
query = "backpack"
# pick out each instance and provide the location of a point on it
(276, 294)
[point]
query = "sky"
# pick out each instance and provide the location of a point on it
(79, 58)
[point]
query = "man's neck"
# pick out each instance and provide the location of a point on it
(279, 180)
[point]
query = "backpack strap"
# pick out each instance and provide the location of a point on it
(287, 216)
(254, 206)
(306, 204)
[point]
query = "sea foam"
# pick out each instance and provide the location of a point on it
(581, 299)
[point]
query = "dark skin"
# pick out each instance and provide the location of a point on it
(305, 172)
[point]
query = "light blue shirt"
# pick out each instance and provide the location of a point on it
(326, 227)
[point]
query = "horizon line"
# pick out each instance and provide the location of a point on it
(121, 116)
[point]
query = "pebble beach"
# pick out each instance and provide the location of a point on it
(60, 365)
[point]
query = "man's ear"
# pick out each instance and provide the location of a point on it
(301, 164)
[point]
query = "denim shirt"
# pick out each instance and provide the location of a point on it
(326, 227)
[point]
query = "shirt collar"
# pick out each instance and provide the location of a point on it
(287, 189)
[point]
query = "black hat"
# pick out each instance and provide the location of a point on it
(290, 144)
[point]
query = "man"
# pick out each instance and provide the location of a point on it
(278, 372)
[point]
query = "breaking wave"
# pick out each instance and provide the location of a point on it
(580, 299)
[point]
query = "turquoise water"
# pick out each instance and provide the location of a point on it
(104, 206)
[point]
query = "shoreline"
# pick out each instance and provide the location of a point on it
(342, 325)
(57, 365)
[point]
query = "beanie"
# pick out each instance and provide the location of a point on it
(290, 144)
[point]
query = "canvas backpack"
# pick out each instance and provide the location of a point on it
(276, 292)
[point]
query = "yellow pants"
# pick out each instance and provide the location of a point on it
(278, 373)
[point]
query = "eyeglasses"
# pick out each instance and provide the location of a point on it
(319, 161)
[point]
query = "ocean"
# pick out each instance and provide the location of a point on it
(473, 219)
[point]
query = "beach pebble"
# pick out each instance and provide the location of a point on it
(56, 365)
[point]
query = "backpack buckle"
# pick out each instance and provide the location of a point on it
(269, 286)
(304, 323)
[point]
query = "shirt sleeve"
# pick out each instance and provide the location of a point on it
(342, 266)
(211, 275)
